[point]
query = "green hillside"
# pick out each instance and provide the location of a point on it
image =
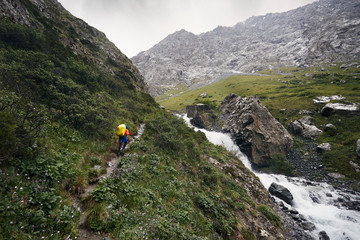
(285, 95)
(58, 114)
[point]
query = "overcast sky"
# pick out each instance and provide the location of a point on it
(137, 25)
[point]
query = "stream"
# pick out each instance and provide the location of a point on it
(314, 200)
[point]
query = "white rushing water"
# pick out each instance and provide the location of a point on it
(339, 224)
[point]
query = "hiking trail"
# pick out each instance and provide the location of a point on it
(86, 234)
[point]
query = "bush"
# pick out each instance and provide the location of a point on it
(269, 214)
(280, 165)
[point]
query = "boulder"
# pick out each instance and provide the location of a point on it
(203, 95)
(281, 192)
(305, 127)
(336, 175)
(339, 108)
(324, 147)
(258, 134)
(194, 110)
(330, 127)
(358, 147)
(308, 226)
(326, 99)
(201, 116)
(323, 236)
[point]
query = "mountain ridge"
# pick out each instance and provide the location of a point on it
(324, 31)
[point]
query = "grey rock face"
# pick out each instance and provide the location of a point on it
(281, 192)
(358, 148)
(258, 134)
(305, 127)
(304, 36)
(339, 108)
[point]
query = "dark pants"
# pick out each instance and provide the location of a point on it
(123, 144)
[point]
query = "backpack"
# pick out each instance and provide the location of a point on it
(120, 131)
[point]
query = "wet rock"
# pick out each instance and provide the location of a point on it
(308, 226)
(329, 195)
(305, 127)
(194, 110)
(324, 147)
(358, 147)
(339, 108)
(323, 236)
(201, 116)
(258, 134)
(302, 217)
(293, 211)
(314, 197)
(281, 192)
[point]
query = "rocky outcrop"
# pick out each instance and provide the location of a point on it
(281, 192)
(339, 108)
(305, 127)
(304, 36)
(258, 134)
(324, 147)
(201, 116)
(358, 148)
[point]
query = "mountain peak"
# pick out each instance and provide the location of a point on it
(303, 36)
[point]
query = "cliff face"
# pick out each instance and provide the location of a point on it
(84, 40)
(324, 31)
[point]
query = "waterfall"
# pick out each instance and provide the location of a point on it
(315, 201)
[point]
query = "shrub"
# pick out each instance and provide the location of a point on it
(269, 214)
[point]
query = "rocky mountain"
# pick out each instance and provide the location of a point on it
(325, 31)
(83, 40)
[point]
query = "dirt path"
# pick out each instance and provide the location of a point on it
(86, 234)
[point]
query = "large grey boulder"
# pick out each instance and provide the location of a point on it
(281, 192)
(339, 108)
(305, 127)
(258, 134)
(358, 147)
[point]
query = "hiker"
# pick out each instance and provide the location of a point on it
(122, 131)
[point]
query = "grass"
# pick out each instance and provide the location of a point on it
(171, 191)
(286, 95)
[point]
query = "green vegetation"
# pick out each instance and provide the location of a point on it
(58, 114)
(166, 188)
(286, 95)
(269, 214)
(280, 165)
